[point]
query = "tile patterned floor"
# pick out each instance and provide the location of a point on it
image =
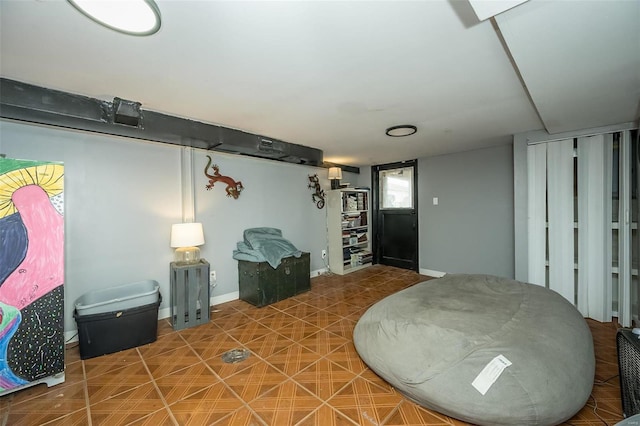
(303, 370)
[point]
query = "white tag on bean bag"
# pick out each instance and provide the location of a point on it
(490, 374)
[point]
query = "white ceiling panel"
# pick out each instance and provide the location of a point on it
(579, 60)
(330, 75)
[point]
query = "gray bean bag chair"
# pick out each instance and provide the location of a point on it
(432, 342)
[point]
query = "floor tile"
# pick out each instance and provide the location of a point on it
(185, 382)
(298, 330)
(320, 302)
(162, 417)
(121, 380)
(108, 363)
(216, 346)
(277, 320)
(324, 378)
(301, 310)
(72, 353)
(347, 357)
(200, 332)
(269, 344)
(225, 309)
(73, 373)
(409, 413)
(164, 343)
(77, 418)
(164, 327)
(127, 407)
(287, 404)
(224, 370)
(345, 309)
(365, 403)
(323, 342)
(343, 328)
(303, 369)
(326, 416)
(243, 416)
(254, 381)
(56, 402)
(248, 331)
(230, 321)
(293, 359)
(206, 407)
(258, 313)
(322, 318)
(172, 361)
(285, 304)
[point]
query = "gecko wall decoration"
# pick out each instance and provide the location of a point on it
(318, 196)
(233, 189)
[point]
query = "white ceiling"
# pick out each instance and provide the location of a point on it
(335, 75)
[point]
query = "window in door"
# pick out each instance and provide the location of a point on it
(396, 188)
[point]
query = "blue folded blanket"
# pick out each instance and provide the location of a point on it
(265, 245)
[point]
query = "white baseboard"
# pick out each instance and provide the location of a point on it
(216, 300)
(432, 273)
(319, 272)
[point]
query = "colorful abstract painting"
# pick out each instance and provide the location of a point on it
(31, 271)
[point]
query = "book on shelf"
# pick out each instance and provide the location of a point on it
(361, 257)
(351, 221)
(349, 202)
(353, 238)
(362, 201)
(363, 219)
(349, 252)
(355, 202)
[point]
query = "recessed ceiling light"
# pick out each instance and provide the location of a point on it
(134, 17)
(401, 130)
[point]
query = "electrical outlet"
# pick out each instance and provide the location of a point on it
(212, 277)
(324, 254)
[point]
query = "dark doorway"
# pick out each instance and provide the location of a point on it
(395, 214)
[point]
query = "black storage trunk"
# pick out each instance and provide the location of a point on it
(262, 285)
(109, 332)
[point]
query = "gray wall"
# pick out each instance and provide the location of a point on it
(471, 228)
(122, 195)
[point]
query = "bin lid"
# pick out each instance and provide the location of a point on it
(113, 295)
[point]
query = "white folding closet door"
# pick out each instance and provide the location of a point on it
(594, 226)
(624, 232)
(537, 224)
(560, 209)
(571, 225)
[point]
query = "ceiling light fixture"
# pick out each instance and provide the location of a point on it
(401, 130)
(133, 17)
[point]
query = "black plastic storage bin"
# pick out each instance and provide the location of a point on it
(117, 318)
(262, 285)
(109, 332)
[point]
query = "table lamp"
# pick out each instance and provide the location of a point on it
(186, 237)
(335, 174)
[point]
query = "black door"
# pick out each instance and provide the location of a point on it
(395, 214)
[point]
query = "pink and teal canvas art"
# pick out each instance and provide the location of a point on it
(31, 271)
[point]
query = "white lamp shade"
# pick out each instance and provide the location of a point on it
(187, 235)
(335, 173)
